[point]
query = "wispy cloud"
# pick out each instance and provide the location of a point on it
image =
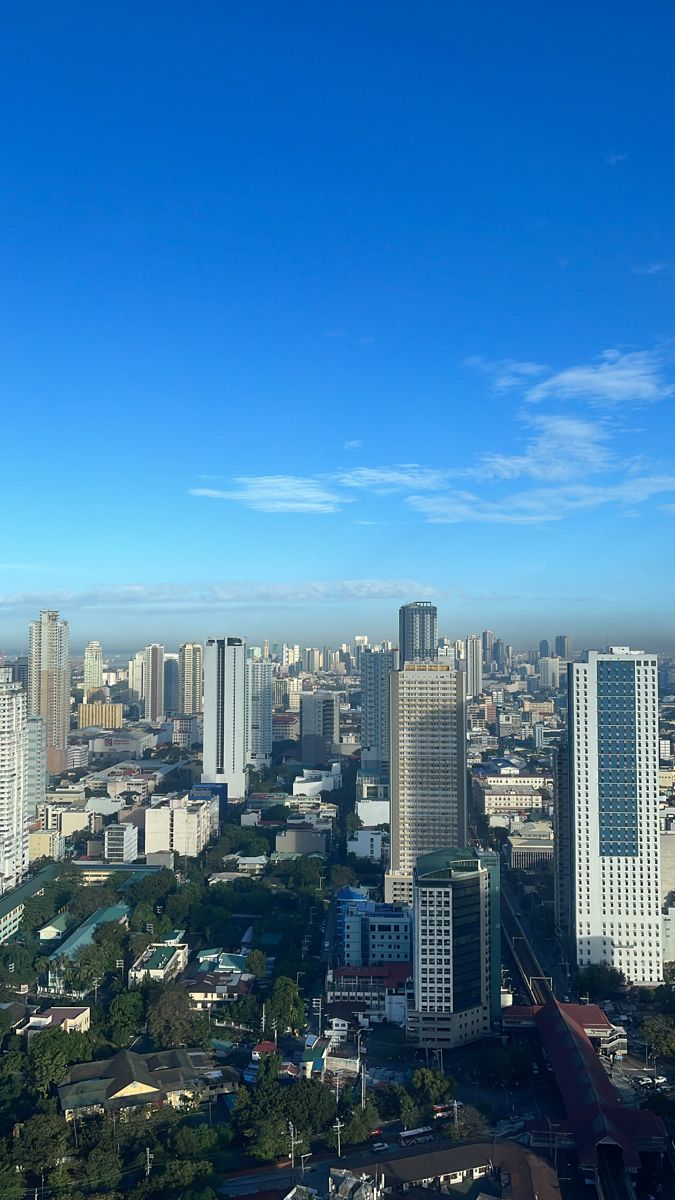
(654, 268)
(615, 378)
(538, 505)
(561, 447)
(403, 477)
(613, 159)
(504, 373)
(196, 597)
(278, 493)
(352, 444)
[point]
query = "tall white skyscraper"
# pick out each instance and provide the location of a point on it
(428, 768)
(153, 681)
(417, 631)
(611, 814)
(376, 667)
(259, 704)
(49, 684)
(136, 681)
(13, 822)
(191, 668)
(225, 714)
(93, 668)
(474, 665)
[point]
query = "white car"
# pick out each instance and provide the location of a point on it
(379, 1147)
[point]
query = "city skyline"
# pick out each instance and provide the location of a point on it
(434, 305)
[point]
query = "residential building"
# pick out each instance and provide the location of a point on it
(13, 809)
(160, 962)
(78, 756)
(225, 714)
(99, 714)
(456, 939)
(428, 768)
(367, 843)
(319, 725)
(68, 1020)
(49, 684)
(93, 668)
(153, 682)
(549, 673)
(120, 843)
(186, 731)
(21, 670)
(417, 632)
(376, 668)
(611, 797)
(474, 666)
(488, 641)
(259, 713)
(46, 843)
(179, 824)
(36, 765)
(191, 670)
(136, 677)
(171, 685)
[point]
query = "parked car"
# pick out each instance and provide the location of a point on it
(380, 1147)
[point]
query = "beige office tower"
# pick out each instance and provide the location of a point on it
(93, 668)
(191, 670)
(49, 684)
(428, 768)
(153, 682)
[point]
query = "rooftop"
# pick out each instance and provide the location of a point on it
(84, 934)
(19, 895)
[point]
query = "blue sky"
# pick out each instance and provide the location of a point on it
(308, 310)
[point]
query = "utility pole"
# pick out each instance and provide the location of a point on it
(302, 1163)
(455, 1106)
(363, 1083)
(338, 1126)
(337, 1088)
(294, 1142)
(148, 1162)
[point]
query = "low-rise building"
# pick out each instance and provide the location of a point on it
(367, 843)
(83, 936)
(46, 843)
(178, 824)
(121, 842)
(530, 845)
(302, 839)
(160, 962)
(12, 903)
(68, 1020)
(176, 1077)
(53, 930)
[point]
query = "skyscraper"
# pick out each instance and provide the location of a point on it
(611, 847)
(13, 817)
(93, 668)
(474, 665)
(417, 631)
(376, 667)
(191, 668)
(259, 704)
(488, 644)
(153, 681)
(544, 648)
(171, 685)
(319, 725)
(549, 672)
(136, 680)
(457, 960)
(563, 646)
(225, 714)
(36, 765)
(428, 768)
(49, 684)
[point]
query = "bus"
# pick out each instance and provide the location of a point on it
(414, 1137)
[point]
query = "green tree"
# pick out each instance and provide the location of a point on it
(360, 1124)
(256, 963)
(285, 1007)
(43, 1141)
(658, 1031)
(48, 1059)
(431, 1087)
(103, 1169)
(172, 1022)
(598, 979)
(470, 1123)
(126, 1016)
